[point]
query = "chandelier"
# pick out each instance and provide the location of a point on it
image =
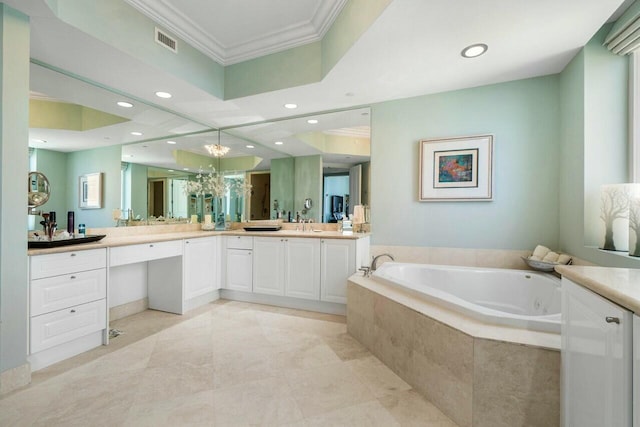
(217, 150)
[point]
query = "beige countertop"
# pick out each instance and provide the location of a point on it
(139, 238)
(620, 285)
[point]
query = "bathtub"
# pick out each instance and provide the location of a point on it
(517, 298)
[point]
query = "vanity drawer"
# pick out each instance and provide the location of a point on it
(55, 293)
(132, 254)
(58, 327)
(67, 262)
(239, 242)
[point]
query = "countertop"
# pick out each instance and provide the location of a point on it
(620, 285)
(134, 239)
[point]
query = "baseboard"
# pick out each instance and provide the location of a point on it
(288, 302)
(201, 300)
(52, 355)
(128, 309)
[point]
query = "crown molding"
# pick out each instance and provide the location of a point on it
(289, 37)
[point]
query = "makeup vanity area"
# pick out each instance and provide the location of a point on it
(74, 288)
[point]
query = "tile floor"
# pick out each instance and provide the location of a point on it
(225, 364)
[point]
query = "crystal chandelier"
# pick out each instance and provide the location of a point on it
(217, 150)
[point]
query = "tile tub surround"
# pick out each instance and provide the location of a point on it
(228, 363)
(475, 380)
(491, 258)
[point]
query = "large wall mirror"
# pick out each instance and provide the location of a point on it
(151, 160)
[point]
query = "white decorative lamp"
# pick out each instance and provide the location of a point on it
(634, 221)
(614, 212)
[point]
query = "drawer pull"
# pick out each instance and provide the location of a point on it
(72, 311)
(610, 319)
(150, 246)
(72, 277)
(72, 254)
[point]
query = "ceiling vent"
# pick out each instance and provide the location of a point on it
(166, 40)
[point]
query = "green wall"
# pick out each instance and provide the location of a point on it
(593, 90)
(524, 118)
(282, 184)
(107, 161)
(308, 184)
(54, 165)
(14, 136)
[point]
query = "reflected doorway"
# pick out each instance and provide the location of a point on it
(260, 196)
(156, 198)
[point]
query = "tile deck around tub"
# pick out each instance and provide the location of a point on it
(228, 363)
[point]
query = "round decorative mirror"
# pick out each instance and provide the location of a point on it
(38, 189)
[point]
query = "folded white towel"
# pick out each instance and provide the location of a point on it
(535, 258)
(564, 259)
(540, 251)
(551, 257)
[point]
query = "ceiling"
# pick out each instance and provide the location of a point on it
(411, 49)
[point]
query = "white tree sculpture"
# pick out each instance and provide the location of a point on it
(634, 224)
(615, 205)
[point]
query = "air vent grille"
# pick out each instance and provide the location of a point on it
(167, 41)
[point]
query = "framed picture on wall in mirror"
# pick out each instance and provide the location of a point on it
(90, 191)
(456, 169)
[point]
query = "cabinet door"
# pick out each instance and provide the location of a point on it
(596, 359)
(302, 268)
(268, 265)
(200, 266)
(337, 263)
(239, 268)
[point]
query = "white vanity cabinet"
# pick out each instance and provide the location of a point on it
(596, 359)
(340, 259)
(201, 270)
(238, 261)
(67, 304)
(287, 267)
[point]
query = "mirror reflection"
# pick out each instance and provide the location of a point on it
(151, 160)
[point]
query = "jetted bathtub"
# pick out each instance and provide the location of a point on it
(518, 298)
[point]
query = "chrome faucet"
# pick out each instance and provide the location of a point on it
(374, 261)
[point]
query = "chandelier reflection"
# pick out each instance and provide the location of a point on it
(217, 150)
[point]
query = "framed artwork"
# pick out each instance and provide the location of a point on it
(90, 191)
(456, 169)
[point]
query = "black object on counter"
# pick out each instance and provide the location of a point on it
(52, 216)
(43, 244)
(70, 222)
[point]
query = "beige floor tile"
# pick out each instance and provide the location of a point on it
(167, 382)
(379, 379)
(185, 411)
(370, 414)
(265, 402)
(346, 347)
(325, 388)
(307, 354)
(410, 409)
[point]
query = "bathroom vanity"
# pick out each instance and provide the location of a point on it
(600, 346)
(73, 289)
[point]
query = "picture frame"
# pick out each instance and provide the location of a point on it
(90, 191)
(456, 169)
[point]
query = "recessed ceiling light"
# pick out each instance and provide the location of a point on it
(474, 50)
(278, 142)
(171, 170)
(136, 133)
(165, 95)
(291, 106)
(171, 142)
(312, 121)
(124, 104)
(250, 146)
(185, 169)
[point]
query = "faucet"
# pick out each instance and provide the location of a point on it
(374, 261)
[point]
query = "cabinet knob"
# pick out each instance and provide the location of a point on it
(72, 311)
(187, 242)
(72, 277)
(72, 254)
(150, 246)
(610, 319)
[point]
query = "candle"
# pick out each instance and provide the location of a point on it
(194, 219)
(207, 219)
